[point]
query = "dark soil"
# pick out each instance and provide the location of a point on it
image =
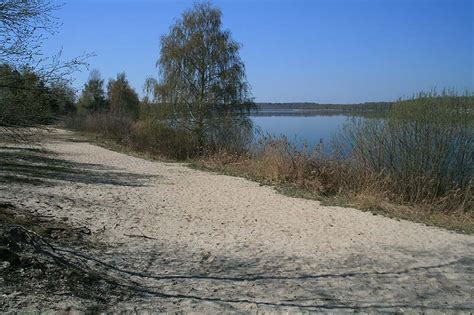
(27, 267)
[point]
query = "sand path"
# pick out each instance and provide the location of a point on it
(198, 241)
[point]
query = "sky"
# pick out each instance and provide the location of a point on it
(325, 51)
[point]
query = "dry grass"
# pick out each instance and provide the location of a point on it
(149, 136)
(392, 170)
(460, 221)
(339, 182)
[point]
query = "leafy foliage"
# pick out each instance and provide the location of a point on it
(92, 98)
(33, 87)
(26, 100)
(202, 78)
(122, 98)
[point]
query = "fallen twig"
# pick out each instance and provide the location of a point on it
(142, 236)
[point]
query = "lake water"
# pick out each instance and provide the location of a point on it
(311, 129)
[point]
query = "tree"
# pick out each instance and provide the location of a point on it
(30, 82)
(22, 27)
(92, 98)
(25, 105)
(31, 101)
(62, 98)
(122, 98)
(202, 77)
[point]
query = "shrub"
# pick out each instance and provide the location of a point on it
(108, 124)
(424, 149)
(111, 125)
(156, 137)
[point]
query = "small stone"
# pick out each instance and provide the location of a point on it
(4, 265)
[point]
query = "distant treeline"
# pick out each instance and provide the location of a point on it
(369, 106)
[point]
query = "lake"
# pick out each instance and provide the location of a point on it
(311, 129)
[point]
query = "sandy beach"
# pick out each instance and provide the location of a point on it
(197, 241)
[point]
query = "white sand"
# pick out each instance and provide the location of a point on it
(252, 248)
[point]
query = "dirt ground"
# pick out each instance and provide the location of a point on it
(101, 230)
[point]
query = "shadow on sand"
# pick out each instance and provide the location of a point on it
(37, 166)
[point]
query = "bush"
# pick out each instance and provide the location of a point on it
(421, 155)
(275, 160)
(111, 125)
(148, 135)
(424, 150)
(155, 137)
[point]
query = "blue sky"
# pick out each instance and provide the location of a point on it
(326, 51)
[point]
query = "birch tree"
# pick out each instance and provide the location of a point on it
(202, 77)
